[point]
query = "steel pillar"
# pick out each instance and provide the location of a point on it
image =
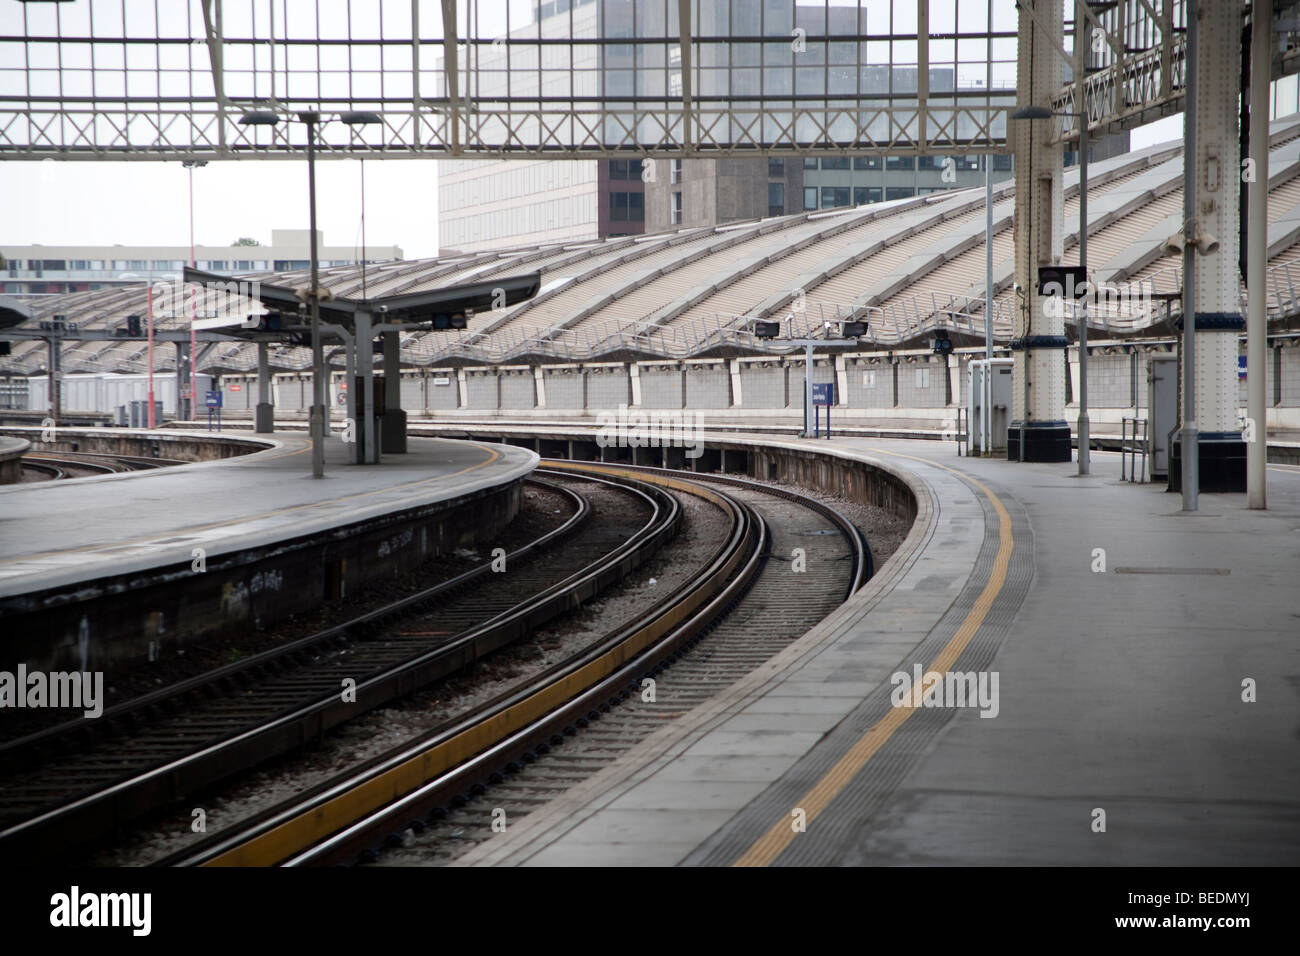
(1210, 418)
(55, 378)
(1261, 52)
(393, 426)
(184, 409)
(264, 415)
(1038, 430)
(367, 447)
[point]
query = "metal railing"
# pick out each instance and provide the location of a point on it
(1131, 447)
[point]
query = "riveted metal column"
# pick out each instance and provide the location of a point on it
(1221, 453)
(1038, 430)
(1261, 54)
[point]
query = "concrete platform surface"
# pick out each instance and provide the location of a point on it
(59, 532)
(1145, 711)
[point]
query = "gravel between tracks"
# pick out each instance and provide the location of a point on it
(384, 728)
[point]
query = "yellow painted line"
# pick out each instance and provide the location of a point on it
(493, 455)
(771, 844)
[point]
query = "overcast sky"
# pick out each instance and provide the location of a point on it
(147, 203)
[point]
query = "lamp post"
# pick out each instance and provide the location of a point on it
(318, 416)
(1032, 113)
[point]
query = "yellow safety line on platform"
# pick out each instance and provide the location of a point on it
(771, 844)
(493, 455)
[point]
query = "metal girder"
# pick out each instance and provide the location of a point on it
(493, 108)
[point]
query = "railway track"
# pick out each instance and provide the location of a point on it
(63, 788)
(67, 464)
(543, 736)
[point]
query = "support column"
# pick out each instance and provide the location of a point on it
(1038, 430)
(634, 377)
(393, 437)
(367, 446)
(841, 382)
(55, 379)
(1261, 54)
(184, 409)
(539, 387)
(737, 394)
(350, 394)
(1221, 453)
(264, 416)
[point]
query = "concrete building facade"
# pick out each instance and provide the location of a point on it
(44, 270)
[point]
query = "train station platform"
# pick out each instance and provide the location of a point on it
(1134, 695)
(245, 536)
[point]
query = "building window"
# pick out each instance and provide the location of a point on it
(925, 162)
(1002, 162)
(776, 167)
(810, 162)
(835, 196)
(636, 207)
(835, 162)
(675, 176)
(859, 195)
(618, 207)
(899, 192)
(776, 199)
(625, 169)
(898, 162)
(861, 163)
(810, 196)
(676, 210)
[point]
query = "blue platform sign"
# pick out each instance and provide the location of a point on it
(1241, 366)
(214, 399)
(823, 393)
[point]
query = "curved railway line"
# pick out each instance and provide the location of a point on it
(72, 784)
(62, 787)
(473, 756)
(57, 466)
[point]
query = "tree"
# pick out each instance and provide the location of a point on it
(245, 241)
